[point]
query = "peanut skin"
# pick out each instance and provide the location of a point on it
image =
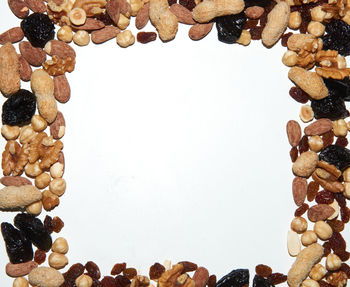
(9, 70)
(13, 197)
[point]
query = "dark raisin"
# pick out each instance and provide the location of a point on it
(118, 268)
(260, 281)
(57, 224)
(230, 27)
(342, 141)
(299, 95)
(38, 28)
(146, 37)
(261, 3)
(188, 266)
(156, 270)
(73, 272)
(293, 154)
(301, 210)
(339, 87)
(326, 249)
(324, 196)
(108, 281)
(324, 284)
(277, 278)
(18, 246)
(263, 270)
(236, 278)
(327, 138)
(284, 38)
(211, 281)
(337, 241)
(345, 214)
(171, 2)
(189, 4)
(93, 270)
(346, 269)
(96, 283)
(250, 23)
(336, 155)
(312, 190)
(255, 32)
(337, 37)
(19, 108)
(121, 281)
(339, 197)
(303, 144)
(342, 254)
(34, 229)
(104, 17)
(336, 225)
(48, 224)
(39, 256)
(130, 273)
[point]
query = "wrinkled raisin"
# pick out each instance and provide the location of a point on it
(342, 254)
(336, 155)
(324, 196)
(261, 3)
(326, 249)
(73, 272)
(108, 281)
(312, 190)
(189, 4)
(339, 197)
(93, 270)
(236, 278)
(48, 223)
(345, 268)
(277, 278)
(301, 210)
(255, 32)
(211, 281)
(171, 2)
(293, 154)
(263, 270)
(118, 268)
(303, 144)
(337, 241)
(345, 214)
(122, 281)
(250, 23)
(260, 281)
(105, 18)
(327, 138)
(337, 37)
(57, 224)
(130, 273)
(323, 283)
(284, 38)
(146, 37)
(299, 95)
(39, 256)
(336, 225)
(156, 270)
(95, 283)
(230, 27)
(342, 141)
(188, 266)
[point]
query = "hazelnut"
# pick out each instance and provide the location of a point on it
(310, 283)
(57, 260)
(56, 170)
(290, 58)
(309, 237)
(65, 34)
(27, 134)
(306, 113)
(315, 143)
(294, 20)
(33, 169)
(60, 245)
(340, 128)
(316, 28)
(42, 180)
(35, 208)
(77, 16)
(38, 123)
(299, 225)
(317, 14)
(318, 272)
(83, 281)
(20, 282)
(135, 5)
(323, 230)
(123, 22)
(81, 38)
(245, 38)
(49, 200)
(10, 132)
(333, 262)
(125, 39)
(58, 186)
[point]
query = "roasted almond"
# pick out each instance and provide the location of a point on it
(318, 127)
(90, 25)
(113, 10)
(20, 269)
(59, 48)
(18, 8)
(14, 181)
(105, 34)
(254, 12)
(25, 70)
(37, 6)
(319, 212)
(142, 17)
(293, 133)
(182, 13)
(58, 127)
(34, 56)
(12, 35)
(199, 31)
(201, 277)
(61, 89)
(299, 188)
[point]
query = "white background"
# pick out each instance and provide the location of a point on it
(176, 151)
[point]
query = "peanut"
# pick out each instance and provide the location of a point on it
(12, 197)
(10, 81)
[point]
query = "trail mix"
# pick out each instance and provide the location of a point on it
(320, 39)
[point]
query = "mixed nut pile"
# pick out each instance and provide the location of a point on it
(321, 164)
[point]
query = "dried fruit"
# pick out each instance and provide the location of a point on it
(130, 273)
(108, 281)
(39, 256)
(345, 214)
(73, 273)
(230, 27)
(342, 141)
(93, 270)
(336, 155)
(18, 246)
(260, 281)
(118, 268)
(336, 225)
(261, 3)
(53, 225)
(304, 144)
(331, 107)
(156, 270)
(277, 278)
(189, 4)
(19, 108)
(236, 278)
(263, 270)
(312, 190)
(34, 229)
(327, 139)
(339, 197)
(339, 87)
(337, 37)
(146, 37)
(298, 212)
(293, 154)
(324, 196)
(211, 281)
(122, 281)
(38, 28)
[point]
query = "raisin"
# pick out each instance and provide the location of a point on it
(38, 28)
(260, 281)
(312, 190)
(293, 154)
(39, 256)
(118, 268)
(93, 270)
(342, 141)
(337, 241)
(57, 224)
(146, 37)
(345, 214)
(345, 268)
(105, 18)
(323, 283)
(18, 246)
(336, 225)
(108, 281)
(34, 229)
(261, 3)
(324, 196)
(326, 249)
(255, 32)
(342, 254)
(299, 95)
(189, 4)
(303, 144)
(263, 270)
(277, 278)
(236, 278)
(336, 155)
(73, 272)
(230, 27)
(327, 138)
(188, 266)
(121, 281)
(19, 108)
(130, 273)
(339, 197)
(284, 38)
(331, 107)
(156, 270)
(171, 2)
(339, 87)
(211, 281)
(337, 37)
(96, 283)
(301, 210)
(250, 23)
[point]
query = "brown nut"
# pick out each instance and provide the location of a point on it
(308, 237)
(20, 269)
(305, 164)
(58, 186)
(42, 180)
(299, 224)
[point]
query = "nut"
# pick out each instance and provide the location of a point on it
(81, 38)
(26, 135)
(317, 14)
(10, 132)
(169, 277)
(58, 186)
(60, 245)
(20, 282)
(14, 181)
(45, 277)
(34, 56)
(77, 16)
(49, 200)
(338, 279)
(305, 164)
(61, 89)
(20, 269)
(308, 237)
(18, 8)
(37, 6)
(201, 277)
(58, 127)
(290, 58)
(310, 283)
(254, 12)
(319, 212)
(42, 180)
(315, 143)
(299, 224)
(318, 272)
(335, 206)
(346, 174)
(323, 230)
(56, 170)
(33, 169)
(35, 208)
(293, 133)
(9, 70)
(135, 5)
(57, 260)
(333, 262)
(182, 13)
(125, 39)
(199, 31)
(346, 192)
(294, 20)
(293, 243)
(65, 34)
(57, 66)
(299, 188)
(318, 127)
(38, 123)
(25, 70)
(59, 48)
(316, 28)
(12, 197)
(306, 113)
(83, 281)
(123, 22)
(105, 34)
(245, 38)
(340, 128)
(12, 35)
(113, 10)
(90, 25)
(142, 16)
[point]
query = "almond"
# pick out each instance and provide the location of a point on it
(318, 127)
(61, 159)
(254, 12)
(14, 181)
(34, 56)
(182, 13)
(293, 133)
(142, 17)
(61, 89)
(320, 212)
(90, 25)
(59, 48)
(18, 8)
(299, 188)
(36, 5)
(125, 8)
(105, 34)
(21, 269)
(201, 277)
(10, 81)
(58, 127)
(25, 70)
(12, 35)
(199, 31)
(113, 10)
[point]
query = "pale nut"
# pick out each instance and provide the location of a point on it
(81, 38)
(333, 262)
(135, 5)
(123, 22)
(42, 180)
(38, 123)
(125, 39)
(57, 260)
(83, 281)
(290, 58)
(293, 243)
(315, 143)
(316, 28)
(60, 245)
(346, 174)
(318, 272)
(335, 206)
(323, 230)
(77, 16)
(346, 192)
(317, 14)
(306, 113)
(35, 208)
(26, 135)
(56, 170)
(340, 128)
(65, 34)
(299, 224)
(245, 38)
(58, 186)
(33, 169)
(310, 283)
(308, 237)
(305, 164)
(10, 132)
(294, 20)
(20, 282)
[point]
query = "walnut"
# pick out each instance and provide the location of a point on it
(91, 7)
(307, 42)
(59, 12)
(34, 147)
(58, 66)
(300, 2)
(305, 59)
(22, 160)
(49, 200)
(332, 169)
(337, 9)
(50, 154)
(169, 277)
(337, 279)
(9, 157)
(331, 65)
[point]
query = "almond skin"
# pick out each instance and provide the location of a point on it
(14, 181)
(105, 34)
(318, 127)
(57, 125)
(199, 31)
(36, 5)
(60, 49)
(113, 10)
(25, 69)
(319, 212)
(293, 133)
(299, 190)
(34, 56)
(201, 277)
(61, 89)
(21, 269)
(182, 13)
(90, 25)
(142, 17)
(12, 35)
(18, 8)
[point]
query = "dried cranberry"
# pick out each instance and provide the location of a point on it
(93, 270)
(299, 95)
(277, 278)
(324, 196)
(118, 268)
(156, 270)
(39, 256)
(108, 281)
(121, 281)
(293, 154)
(301, 210)
(263, 270)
